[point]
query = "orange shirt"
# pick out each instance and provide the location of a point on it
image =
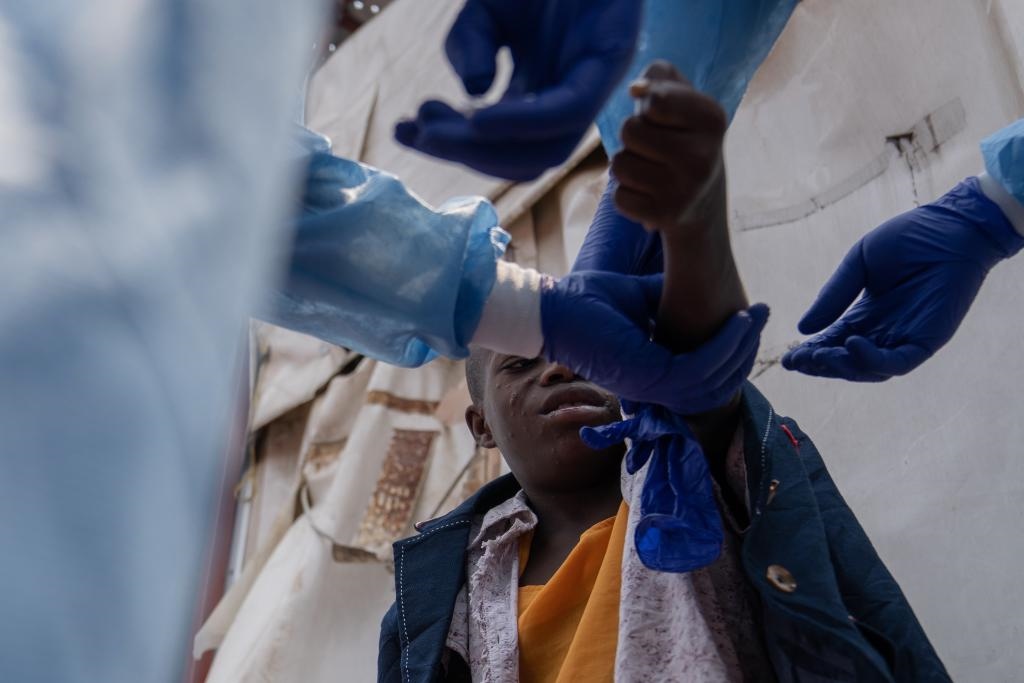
(569, 627)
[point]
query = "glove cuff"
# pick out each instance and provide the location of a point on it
(1012, 209)
(510, 322)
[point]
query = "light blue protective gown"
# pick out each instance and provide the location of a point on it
(144, 186)
(374, 269)
(1003, 152)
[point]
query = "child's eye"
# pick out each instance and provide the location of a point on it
(517, 364)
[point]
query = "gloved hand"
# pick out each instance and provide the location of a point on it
(680, 529)
(568, 57)
(919, 274)
(598, 325)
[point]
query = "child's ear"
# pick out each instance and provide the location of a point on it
(477, 424)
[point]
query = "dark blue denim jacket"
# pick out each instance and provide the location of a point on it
(846, 619)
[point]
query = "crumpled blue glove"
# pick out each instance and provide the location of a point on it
(919, 273)
(598, 324)
(569, 55)
(617, 244)
(680, 528)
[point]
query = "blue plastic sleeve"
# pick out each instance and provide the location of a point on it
(375, 269)
(1003, 152)
(717, 45)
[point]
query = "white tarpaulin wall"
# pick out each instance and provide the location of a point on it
(862, 110)
(931, 464)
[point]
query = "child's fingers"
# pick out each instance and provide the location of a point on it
(660, 70)
(642, 174)
(634, 205)
(676, 105)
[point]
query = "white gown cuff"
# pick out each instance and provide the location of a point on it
(510, 322)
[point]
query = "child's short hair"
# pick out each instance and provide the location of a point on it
(476, 365)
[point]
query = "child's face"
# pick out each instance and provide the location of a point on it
(532, 411)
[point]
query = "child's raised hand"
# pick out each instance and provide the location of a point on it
(670, 169)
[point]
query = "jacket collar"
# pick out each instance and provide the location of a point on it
(429, 571)
(489, 495)
(500, 520)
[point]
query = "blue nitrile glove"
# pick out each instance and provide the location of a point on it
(615, 243)
(919, 273)
(598, 325)
(680, 528)
(568, 57)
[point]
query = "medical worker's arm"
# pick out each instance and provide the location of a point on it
(912, 280)
(375, 269)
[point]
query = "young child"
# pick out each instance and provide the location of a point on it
(537, 577)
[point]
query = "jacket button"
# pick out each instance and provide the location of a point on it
(780, 578)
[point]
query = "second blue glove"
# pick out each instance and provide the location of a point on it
(919, 274)
(568, 56)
